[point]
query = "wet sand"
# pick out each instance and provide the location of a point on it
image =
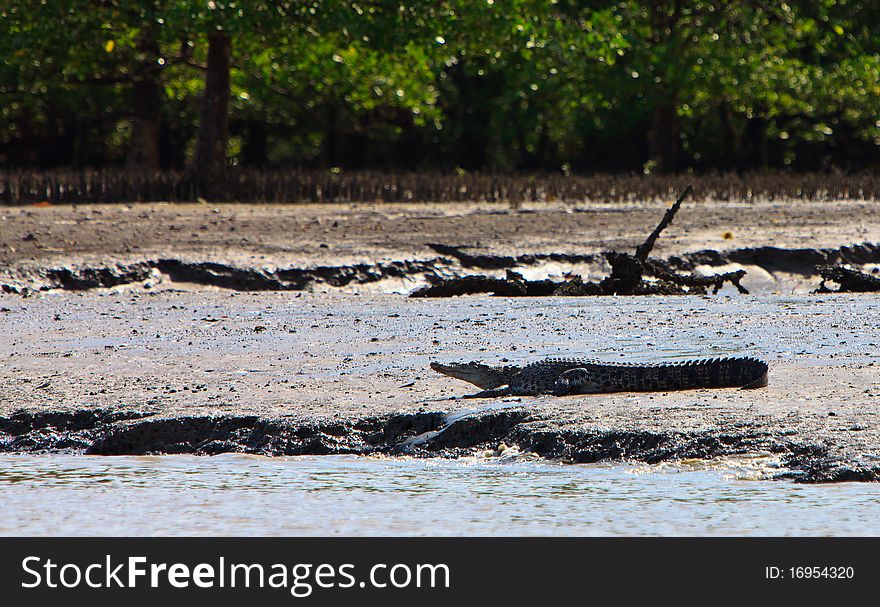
(210, 371)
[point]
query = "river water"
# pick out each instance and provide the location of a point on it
(348, 495)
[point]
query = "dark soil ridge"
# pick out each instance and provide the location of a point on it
(775, 259)
(436, 270)
(102, 432)
(216, 275)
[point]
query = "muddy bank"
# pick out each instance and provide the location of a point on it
(420, 434)
(308, 373)
(457, 272)
(150, 273)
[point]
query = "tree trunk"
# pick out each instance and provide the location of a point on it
(255, 150)
(143, 148)
(210, 157)
(754, 154)
(732, 140)
(663, 138)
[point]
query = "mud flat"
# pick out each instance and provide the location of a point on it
(345, 234)
(283, 330)
(207, 371)
(397, 247)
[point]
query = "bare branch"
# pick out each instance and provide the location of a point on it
(645, 248)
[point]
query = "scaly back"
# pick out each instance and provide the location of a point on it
(709, 373)
(540, 377)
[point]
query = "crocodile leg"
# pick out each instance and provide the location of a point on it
(493, 393)
(576, 381)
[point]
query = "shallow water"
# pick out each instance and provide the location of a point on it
(347, 495)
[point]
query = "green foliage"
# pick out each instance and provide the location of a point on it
(478, 84)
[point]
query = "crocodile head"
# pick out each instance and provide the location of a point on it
(483, 376)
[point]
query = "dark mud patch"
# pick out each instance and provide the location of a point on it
(291, 279)
(513, 285)
(501, 262)
(429, 434)
(92, 278)
(640, 445)
(59, 431)
(255, 435)
(78, 278)
(775, 259)
(220, 275)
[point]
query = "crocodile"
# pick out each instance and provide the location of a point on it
(562, 376)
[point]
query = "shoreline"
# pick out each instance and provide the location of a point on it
(101, 433)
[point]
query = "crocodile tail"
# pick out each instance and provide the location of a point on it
(752, 367)
(710, 373)
(745, 373)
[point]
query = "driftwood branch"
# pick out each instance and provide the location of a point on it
(627, 271)
(660, 270)
(646, 247)
(627, 275)
(850, 280)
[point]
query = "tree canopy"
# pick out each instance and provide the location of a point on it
(488, 85)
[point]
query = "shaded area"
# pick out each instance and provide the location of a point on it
(215, 275)
(512, 285)
(499, 262)
(613, 86)
(58, 430)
